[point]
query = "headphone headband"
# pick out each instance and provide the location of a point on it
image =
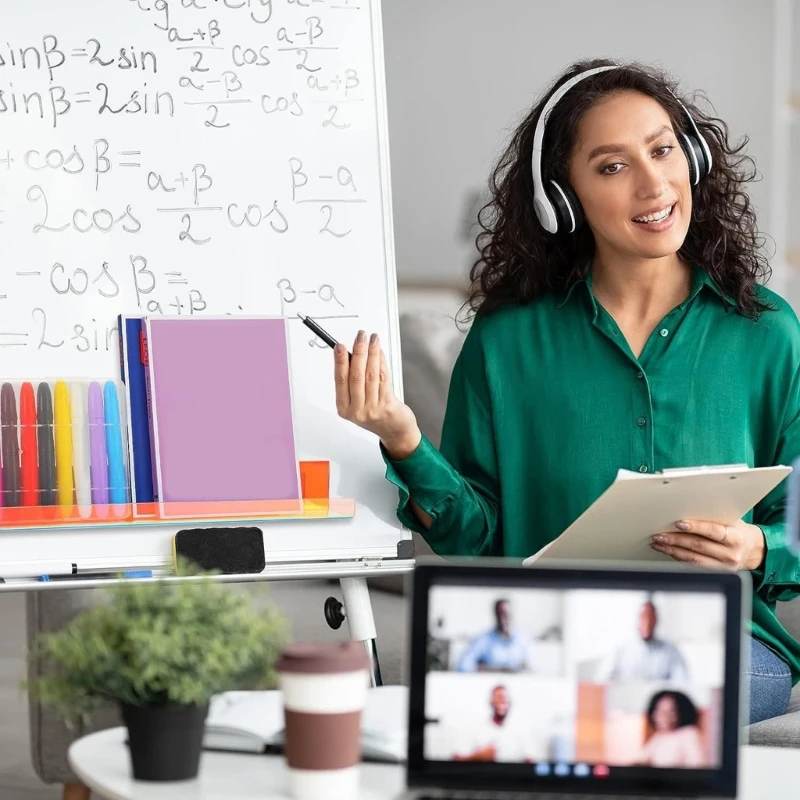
(544, 209)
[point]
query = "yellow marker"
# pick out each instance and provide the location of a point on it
(62, 419)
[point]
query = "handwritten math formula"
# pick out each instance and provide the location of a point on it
(186, 157)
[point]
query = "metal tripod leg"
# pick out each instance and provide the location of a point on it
(361, 622)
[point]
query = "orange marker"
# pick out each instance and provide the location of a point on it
(29, 483)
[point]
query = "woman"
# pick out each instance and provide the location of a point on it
(638, 339)
(675, 742)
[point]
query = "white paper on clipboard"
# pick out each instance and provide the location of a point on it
(620, 524)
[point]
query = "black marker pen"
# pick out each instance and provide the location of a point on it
(324, 335)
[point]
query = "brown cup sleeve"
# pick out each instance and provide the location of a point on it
(322, 741)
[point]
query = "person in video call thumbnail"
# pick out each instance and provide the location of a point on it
(645, 657)
(497, 650)
(502, 737)
(676, 742)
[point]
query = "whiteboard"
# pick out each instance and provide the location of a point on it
(200, 157)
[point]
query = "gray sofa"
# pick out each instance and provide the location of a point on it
(49, 611)
(782, 731)
(430, 344)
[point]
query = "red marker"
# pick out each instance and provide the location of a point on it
(29, 483)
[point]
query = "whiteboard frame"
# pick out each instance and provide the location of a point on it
(149, 545)
(382, 115)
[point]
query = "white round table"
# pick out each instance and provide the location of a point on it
(101, 761)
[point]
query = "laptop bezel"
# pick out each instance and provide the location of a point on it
(719, 782)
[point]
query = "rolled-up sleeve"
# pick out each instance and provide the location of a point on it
(458, 485)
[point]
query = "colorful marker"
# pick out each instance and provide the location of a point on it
(30, 460)
(116, 464)
(80, 449)
(63, 424)
(47, 453)
(10, 444)
(97, 446)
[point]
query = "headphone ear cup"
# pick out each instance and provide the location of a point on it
(702, 158)
(698, 168)
(568, 207)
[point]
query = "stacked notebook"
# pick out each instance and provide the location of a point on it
(210, 410)
(253, 722)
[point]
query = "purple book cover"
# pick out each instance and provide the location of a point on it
(222, 409)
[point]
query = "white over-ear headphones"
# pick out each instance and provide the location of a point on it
(557, 207)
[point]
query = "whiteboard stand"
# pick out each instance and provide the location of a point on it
(305, 549)
(361, 621)
(352, 575)
(98, 221)
(84, 181)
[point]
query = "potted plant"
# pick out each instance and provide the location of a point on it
(160, 650)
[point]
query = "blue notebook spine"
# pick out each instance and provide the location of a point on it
(134, 376)
(144, 357)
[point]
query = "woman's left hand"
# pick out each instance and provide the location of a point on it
(710, 544)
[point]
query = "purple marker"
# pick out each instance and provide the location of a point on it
(97, 446)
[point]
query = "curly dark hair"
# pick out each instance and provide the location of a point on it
(520, 261)
(687, 711)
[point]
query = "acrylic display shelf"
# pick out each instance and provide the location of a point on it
(314, 504)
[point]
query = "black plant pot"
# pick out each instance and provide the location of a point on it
(165, 742)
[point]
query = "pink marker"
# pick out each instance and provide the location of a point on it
(97, 446)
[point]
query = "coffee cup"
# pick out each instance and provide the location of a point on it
(324, 688)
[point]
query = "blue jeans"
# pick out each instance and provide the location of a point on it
(770, 683)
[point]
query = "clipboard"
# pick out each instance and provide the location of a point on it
(620, 524)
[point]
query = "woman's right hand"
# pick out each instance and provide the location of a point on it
(364, 396)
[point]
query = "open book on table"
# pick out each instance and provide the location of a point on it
(252, 722)
(620, 524)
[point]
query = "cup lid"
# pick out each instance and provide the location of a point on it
(323, 657)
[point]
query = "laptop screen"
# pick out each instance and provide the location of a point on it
(605, 679)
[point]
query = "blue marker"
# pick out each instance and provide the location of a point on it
(95, 576)
(117, 491)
